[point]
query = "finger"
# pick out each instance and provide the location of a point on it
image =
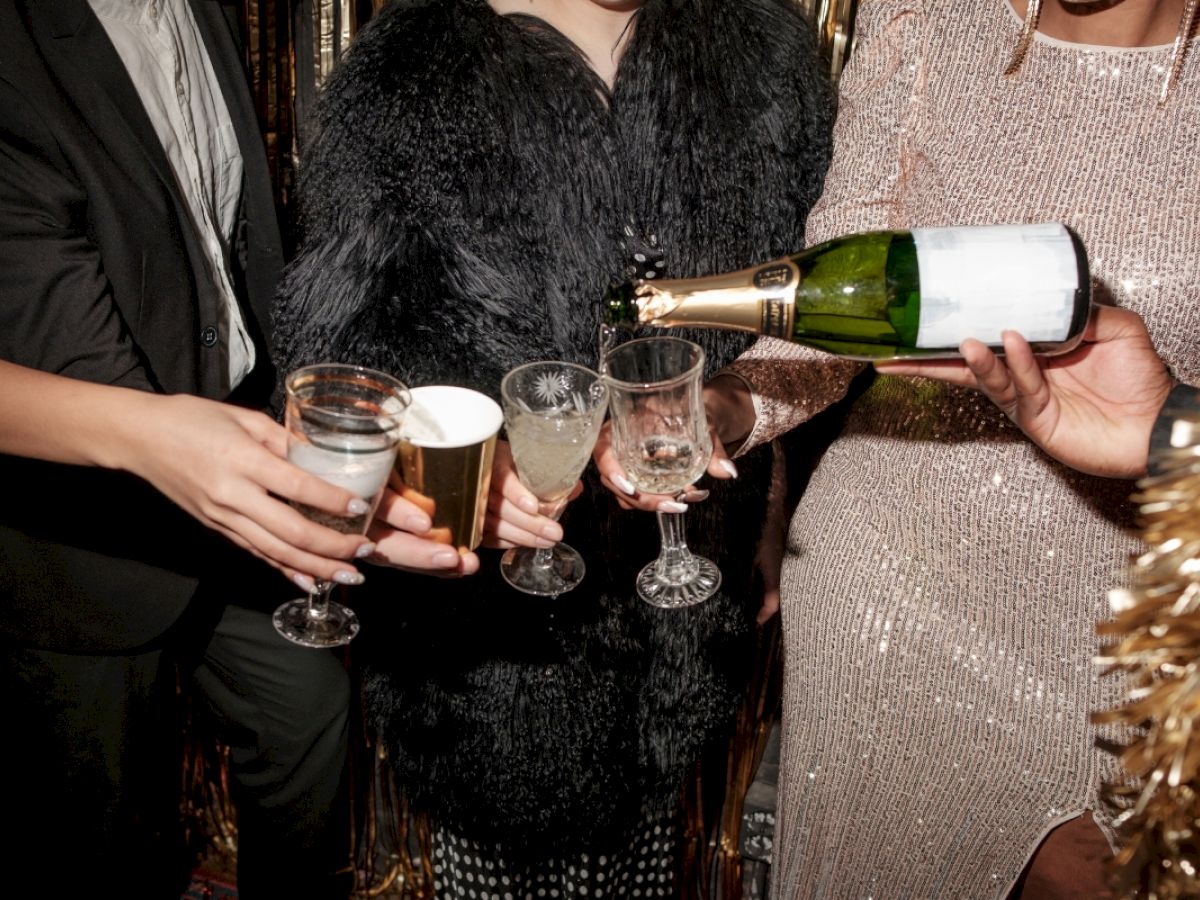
(719, 464)
(290, 527)
(506, 482)
(501, 509)
(643, 502)
(770, 606)
(293, 483)
(611, 472)
(499, 532)
(400, 512)
(1029, 381)
(402, 550)
(950, 371)
(287, 556)
(263, 429)
(991, 374)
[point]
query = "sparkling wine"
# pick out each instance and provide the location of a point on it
(887, 294)
(353, 462)
(665, 465)
(551, 451)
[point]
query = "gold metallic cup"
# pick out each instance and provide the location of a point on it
(444, 463)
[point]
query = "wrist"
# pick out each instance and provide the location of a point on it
(126, 423)
(730, 409)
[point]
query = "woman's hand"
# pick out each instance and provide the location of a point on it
(614, 478)
(515, 517)
(227, 467)
(1092, 408)
(400, 533)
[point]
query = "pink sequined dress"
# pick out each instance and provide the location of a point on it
(943, 577)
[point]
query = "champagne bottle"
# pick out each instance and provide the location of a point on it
(889, 294)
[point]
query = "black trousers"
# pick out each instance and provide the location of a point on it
(91, 762)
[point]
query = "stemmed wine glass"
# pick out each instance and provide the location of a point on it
(343, 425)
(552, 413)
(660, 437)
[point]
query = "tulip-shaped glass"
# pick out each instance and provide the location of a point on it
(660, 437)
(552, 413)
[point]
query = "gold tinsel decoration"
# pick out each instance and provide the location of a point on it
(1153, 639)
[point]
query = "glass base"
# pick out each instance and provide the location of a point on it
(561, 572)
(296, 621)
(684, 589)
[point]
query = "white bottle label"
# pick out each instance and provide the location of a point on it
(978, 281)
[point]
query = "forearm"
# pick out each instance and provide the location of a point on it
(66, 420)
(782, 385)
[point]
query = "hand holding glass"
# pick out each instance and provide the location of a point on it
(661, 439)
(343, 425)
(553, 412)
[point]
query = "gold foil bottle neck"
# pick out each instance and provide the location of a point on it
(758, 300)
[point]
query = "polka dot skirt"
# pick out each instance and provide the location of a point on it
(463, 870)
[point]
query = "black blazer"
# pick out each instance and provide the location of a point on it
(101, 279)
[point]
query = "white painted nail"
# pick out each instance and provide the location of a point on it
(418, 524)
(358, 506)
(364, 551)
(344, 577)
(303, 582)
(624, 484)
(729, 467)
(670, 506)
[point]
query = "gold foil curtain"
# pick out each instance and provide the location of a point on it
(834, 22)
(290, 47)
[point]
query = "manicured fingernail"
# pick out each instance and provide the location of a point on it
(528, 504)
(670, 506)
(344, 577)
(696, 496)
(418, 524)
(446, 559)
(364, 551)
(729, 467)
(624, 484)
(358, 506)
(303, 582)
(552, 532)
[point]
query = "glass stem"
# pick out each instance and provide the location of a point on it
(675, 562)
(543, 557)
(318, 600)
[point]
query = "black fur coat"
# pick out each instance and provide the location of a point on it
(469, 190)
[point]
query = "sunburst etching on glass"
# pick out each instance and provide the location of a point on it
(549, 387)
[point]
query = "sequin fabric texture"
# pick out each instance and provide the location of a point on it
(943, 578)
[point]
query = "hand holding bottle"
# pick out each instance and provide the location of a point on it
(888, 294)
(1092, 408)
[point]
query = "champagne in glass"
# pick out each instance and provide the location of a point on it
(553, 412)
(661, 439)
(343, 425)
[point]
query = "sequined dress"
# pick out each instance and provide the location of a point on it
(943, 577)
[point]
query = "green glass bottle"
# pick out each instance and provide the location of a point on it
(889, 294)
